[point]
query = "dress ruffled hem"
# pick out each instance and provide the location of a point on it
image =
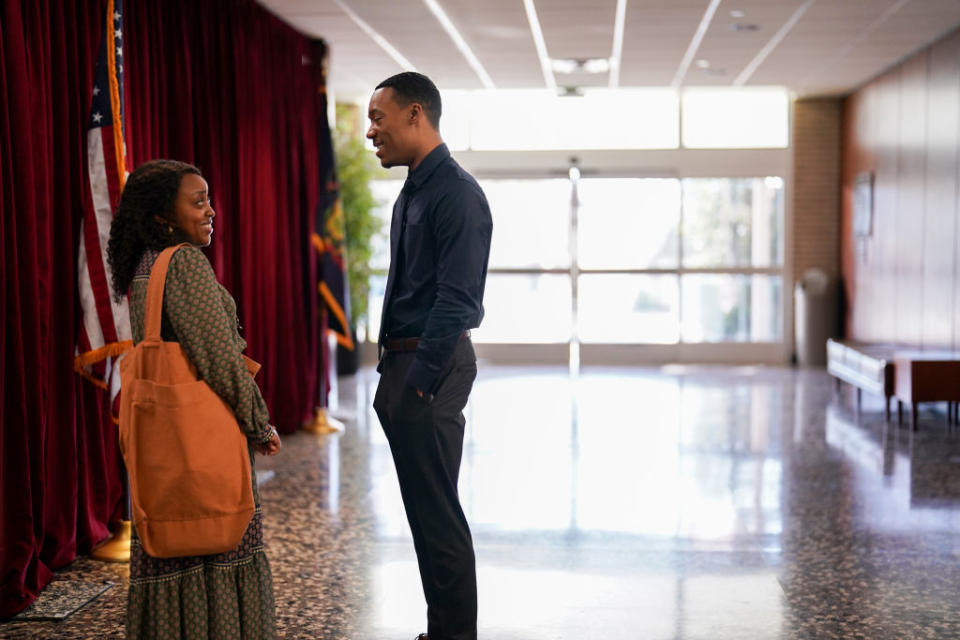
(210, 601)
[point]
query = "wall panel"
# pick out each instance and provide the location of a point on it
(940, 223)
(901, 281)
(910, 198)
(879, 251)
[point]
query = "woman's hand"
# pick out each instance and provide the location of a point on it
(271, 447)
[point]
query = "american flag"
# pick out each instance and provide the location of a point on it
(105, 333)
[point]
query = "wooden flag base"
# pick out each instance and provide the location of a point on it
(323, 424)
(117, 548)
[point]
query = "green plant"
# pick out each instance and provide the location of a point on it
(356, 167)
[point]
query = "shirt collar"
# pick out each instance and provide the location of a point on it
(427, 166)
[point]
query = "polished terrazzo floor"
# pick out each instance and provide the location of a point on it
(674, 503)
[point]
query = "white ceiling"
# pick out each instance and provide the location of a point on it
(814, 47)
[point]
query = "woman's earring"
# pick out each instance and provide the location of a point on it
(169, 229)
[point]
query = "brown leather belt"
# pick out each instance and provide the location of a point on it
(410, 344)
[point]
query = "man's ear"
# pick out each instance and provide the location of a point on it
(416, 112)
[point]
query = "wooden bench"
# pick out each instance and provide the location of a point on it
(927, 376)
(910, 375)
(867, 366)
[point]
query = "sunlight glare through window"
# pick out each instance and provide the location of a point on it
(535, 119)
(737, 118)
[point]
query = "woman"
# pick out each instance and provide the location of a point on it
(228, 595)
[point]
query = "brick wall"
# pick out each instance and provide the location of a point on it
(817, 131)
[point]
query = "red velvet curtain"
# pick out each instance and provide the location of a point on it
(226, 85)
(223, 84)
(59, 473)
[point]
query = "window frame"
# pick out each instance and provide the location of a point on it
(657, 163)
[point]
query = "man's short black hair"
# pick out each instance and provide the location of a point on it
(409, 87)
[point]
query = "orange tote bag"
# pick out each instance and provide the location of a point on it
(187, 459)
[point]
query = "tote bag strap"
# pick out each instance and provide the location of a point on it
(153, 311)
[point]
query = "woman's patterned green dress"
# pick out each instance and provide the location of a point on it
(229, 595)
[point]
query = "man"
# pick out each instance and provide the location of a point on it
(439, 246)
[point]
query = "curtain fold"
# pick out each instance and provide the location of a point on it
(59, 473)
(226, 85)
(223, 84)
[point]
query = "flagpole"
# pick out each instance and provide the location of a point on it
(117, 546)
(322, 423)
(105, 130)
(327, 240)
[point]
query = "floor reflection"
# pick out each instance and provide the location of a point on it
(673, 503)
(686, 502)
(614, 452)
(619, 504)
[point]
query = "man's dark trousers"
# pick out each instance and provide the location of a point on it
(426, 440)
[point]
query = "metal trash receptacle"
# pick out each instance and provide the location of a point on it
(814, 316)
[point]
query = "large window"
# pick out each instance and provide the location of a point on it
(625, 118)
(629, 308)
(628, 223)
(526, 308)
(732, 223)
(537, 120)
(531, 223)
(668, 232)
(728, 118)
(627, 260)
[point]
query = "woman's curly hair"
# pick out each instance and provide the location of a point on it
(150, 193)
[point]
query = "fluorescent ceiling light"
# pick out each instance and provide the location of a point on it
(695, 43)
(540, 44)
(398, 57)
(584, 65)
(597, 65)
(462, 45)
(564, 65)
(617, 53)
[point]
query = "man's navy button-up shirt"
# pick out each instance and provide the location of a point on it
(439, 246)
